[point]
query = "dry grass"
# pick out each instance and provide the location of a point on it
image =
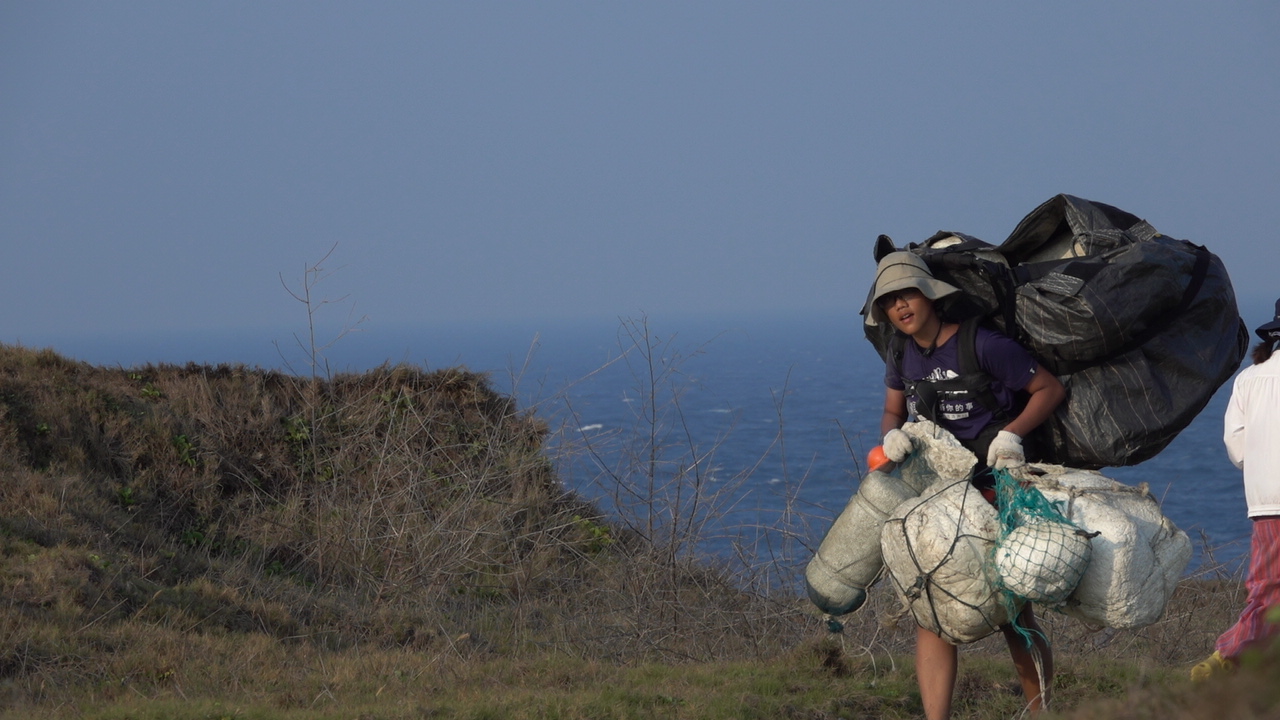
(396, 509)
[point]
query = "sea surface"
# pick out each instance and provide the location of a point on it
(747, 434)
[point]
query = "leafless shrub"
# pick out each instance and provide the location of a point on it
(313, 346)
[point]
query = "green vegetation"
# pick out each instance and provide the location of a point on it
(226, 542)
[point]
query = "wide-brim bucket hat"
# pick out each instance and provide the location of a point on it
(899, 271)
(1271, 331)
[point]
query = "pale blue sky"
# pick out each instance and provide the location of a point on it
(162, 162)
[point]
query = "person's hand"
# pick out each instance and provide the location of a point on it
(1005, 452)
(897, 445)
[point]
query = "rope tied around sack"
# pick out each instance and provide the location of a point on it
(1049, 482)
(920, 589)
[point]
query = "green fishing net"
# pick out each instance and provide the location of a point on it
(1039, 554)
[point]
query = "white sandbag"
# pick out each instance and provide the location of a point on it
(1138, 556)
(936, 549)
(849, 560)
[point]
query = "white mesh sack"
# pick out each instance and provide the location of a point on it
(1043, 560)
(1138, 554)
(936, 549)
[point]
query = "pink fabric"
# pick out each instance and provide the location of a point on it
(1263, 586)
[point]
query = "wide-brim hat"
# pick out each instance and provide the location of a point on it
(899, 271)
(1271, 330)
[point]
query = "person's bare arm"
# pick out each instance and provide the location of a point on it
(895, 410)
(1046, 394)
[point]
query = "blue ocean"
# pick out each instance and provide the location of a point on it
(747, 434)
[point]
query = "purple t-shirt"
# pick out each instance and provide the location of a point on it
(1008, 364)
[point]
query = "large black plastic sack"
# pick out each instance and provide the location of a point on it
(1141, 328)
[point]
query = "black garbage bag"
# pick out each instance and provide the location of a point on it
(1140, 328)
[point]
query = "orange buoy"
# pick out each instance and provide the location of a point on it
(876, 459)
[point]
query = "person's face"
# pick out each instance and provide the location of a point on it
(909, 310)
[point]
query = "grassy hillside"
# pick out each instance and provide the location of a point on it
(151, 511)
(228, 542)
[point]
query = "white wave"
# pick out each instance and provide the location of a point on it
(589, 428)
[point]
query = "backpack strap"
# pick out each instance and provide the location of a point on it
(970, 368)
(897, 348)
(968, 336)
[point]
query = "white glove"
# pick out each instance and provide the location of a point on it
(1005, 451)
(897, 445)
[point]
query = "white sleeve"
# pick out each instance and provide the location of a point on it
(1233, 430)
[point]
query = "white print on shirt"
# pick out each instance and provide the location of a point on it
(948, 409)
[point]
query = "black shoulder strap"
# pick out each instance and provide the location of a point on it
(970, 368)
(968, 337)
(897, 348)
